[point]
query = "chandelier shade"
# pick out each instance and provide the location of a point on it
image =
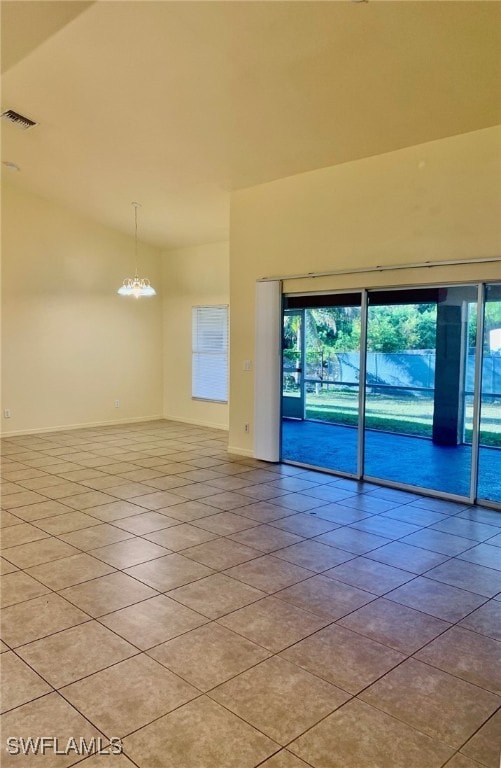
(136, 286)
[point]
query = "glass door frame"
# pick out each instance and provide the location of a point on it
(297, 401)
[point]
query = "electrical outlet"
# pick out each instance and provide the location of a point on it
(117, 403)
(6, 413)
(246, 427)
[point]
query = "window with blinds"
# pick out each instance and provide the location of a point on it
(210, 353)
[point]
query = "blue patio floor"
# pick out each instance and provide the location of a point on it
(399, 458)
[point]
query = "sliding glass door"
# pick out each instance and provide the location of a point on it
(293, 364)
(321, 375)
(401, 386)
(419, 359)
(489, 453)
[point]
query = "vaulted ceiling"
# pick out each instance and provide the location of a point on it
(174, 104)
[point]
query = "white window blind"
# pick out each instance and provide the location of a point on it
(210, 353)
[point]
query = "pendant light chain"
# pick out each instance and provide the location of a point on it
(136, 286)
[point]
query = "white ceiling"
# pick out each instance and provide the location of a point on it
(174, 104)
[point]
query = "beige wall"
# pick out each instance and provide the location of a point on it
(191, 276)
(435, 201)
(70, 345)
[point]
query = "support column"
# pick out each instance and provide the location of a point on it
(449, 372)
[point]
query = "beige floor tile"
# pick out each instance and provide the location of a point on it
(6, 567)
(434, 702)
(103, 482)
(383, 526)
(229, 483)
(40, 511)
(469, 528)
(264, 492)
(221, 553)
(125, 554)
(47, 716)
(208, 655)
(17, 587)
(166, 483)
(107, 594)
(325, 597)
(486, 620)
(23, 533)
(202, 475)
(103, 760)
(7, 519)
(358, 542)
(36, 552)
(414, 515)
(114, 510)
(227, 500)
(407, 557)
(19, 684)
(63, 489)
(121, 467)
(485, 745)
(88, 500)
(39, 483)
(24, 622)
(67, 656)
(69, 570)
(370, 575)
(187, 736)
(468, 655)
(63, 468)
(265, 511)
(279, 699)
(216, 595)
(484, 554)
(159, 500)
(225, 523)
(465, 575)
(344, 658)
(359, 736)
(313, 555)
(147, 522)
(266, 538)
(188, 511)
(165, 573)
(297, 502)
(273, 623)
(129, 695)
(460, 761)
(20, 499)
(97, 536)
(269, 573)
(437, 599)
(438, 541)
(72, 521)
(303, 524)
(397, 626)
(180, 536)
(284, 759)
(153, 621)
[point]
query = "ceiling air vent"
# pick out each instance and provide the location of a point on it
(18, 120)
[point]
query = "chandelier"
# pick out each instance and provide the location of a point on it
(136, 286)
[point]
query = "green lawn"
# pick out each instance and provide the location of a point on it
(402, 415)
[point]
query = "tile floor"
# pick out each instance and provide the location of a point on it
(212, 611)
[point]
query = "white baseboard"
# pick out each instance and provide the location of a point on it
(197, 422)
(86, 425)
(248, 452)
